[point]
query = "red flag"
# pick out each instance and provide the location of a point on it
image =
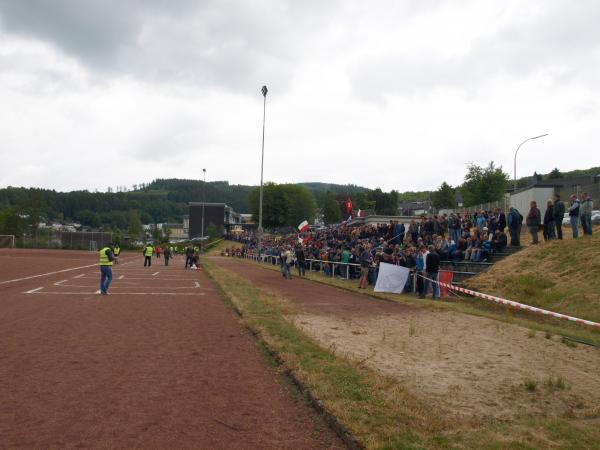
(348, 206)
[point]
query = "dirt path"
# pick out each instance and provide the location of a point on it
(469, 367)
(160, 363)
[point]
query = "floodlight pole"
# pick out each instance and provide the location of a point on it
(203, 202)
(264, 91)
(515, 162)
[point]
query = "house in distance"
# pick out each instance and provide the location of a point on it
(218, 218)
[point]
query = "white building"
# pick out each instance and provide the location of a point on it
(522, 198)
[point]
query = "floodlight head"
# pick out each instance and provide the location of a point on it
(264, 91)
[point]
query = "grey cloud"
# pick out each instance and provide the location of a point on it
(563, 42)
(235, 45)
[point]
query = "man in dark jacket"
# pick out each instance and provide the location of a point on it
(549, 225)
(432, 268)
(559, 214)
(515, 221)
(534, 220)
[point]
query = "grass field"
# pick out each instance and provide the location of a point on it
(562, 276)
(381, 411)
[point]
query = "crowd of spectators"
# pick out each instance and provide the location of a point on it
(355, 252)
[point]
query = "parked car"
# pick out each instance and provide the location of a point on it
(595, 218)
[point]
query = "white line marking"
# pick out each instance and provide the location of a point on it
(58, 283)
(33, 290)
(51, 273)
(121, 277)
(47, 274)
(155, 273)
(118, 293)
(79, 276)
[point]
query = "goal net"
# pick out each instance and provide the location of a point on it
(7, 240)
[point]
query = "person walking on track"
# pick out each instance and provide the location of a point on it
(189, 256)
(148, 251)
(106, 261)
(167, 255)
(116, 253)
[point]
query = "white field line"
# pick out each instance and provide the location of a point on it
(33, 290)
(79, 276)
(116, 293)
(155, 273)
(58, 283)
(47, 274)
(52, 273)
(121, 277)
(112, 286)
(161, 279)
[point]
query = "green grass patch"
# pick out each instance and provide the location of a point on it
(379, 411)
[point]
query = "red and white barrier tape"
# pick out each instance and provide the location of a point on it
(516, 305)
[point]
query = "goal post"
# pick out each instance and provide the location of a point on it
(7, 241)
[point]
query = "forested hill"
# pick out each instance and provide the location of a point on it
(162, 200)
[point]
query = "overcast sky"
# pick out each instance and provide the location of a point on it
(392, 94)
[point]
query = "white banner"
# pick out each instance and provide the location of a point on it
(391, 278)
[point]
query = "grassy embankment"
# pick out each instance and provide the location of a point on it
(377, 409)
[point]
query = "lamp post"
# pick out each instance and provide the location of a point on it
(203, 202)
(515, 167)
(264, 91)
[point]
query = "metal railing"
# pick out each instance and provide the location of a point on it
(320, 263)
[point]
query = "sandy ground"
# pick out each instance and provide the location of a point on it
(468, 367)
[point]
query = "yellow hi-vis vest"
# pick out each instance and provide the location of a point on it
(149, 250)
(104, 261)
(116, 251)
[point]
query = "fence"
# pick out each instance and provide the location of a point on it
(48, 238)
(352, 269)
(344, 270)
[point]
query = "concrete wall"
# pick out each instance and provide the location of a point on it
(521, 199)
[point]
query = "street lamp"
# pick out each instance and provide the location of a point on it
(264, 91)
(531, 138)
(203, 202)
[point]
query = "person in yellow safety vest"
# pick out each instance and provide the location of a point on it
(148, 251)
(116, 253)
(106, 261)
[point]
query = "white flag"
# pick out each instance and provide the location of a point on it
(391, 278)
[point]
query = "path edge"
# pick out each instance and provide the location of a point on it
(340, 429)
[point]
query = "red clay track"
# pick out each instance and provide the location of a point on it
(159, 363)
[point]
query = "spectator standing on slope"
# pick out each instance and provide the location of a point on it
(533, 221)
(515, 221)
(559, 214)
(574, 215)
(549, 224)
(585, 213)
